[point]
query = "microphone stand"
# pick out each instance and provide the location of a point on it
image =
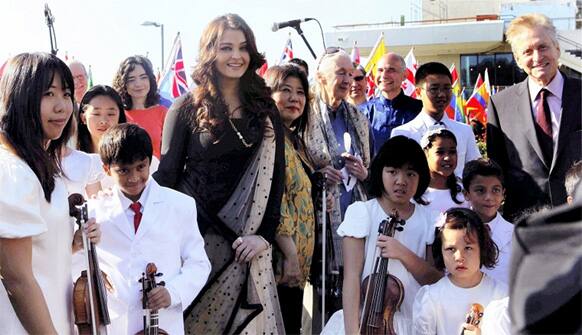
(300, 32)
(50, 19)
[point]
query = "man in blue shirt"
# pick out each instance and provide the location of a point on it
(392, 108)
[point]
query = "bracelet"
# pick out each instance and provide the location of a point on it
(264, 240)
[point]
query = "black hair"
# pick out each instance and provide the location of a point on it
(84, 141)
(121, 77)
(431, 68)
(125, 144)
(25, 80)
(451, 182)
(301, 63)
(481, 167)
(396, 152)
(573, 176)
(464, 218)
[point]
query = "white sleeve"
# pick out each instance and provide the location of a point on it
(423, 313)
(431, 217)
(195, 264)
(20, 198)
(399, 131)
(356, 221)
(496, 318)
(96, 172)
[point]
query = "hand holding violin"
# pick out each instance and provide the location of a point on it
(390, 247)
(159, 298)
(93, 231)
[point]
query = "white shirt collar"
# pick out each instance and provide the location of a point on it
(429, 121)
(126, 202)
(556, 87)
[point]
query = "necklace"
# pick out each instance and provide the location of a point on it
(241, 138)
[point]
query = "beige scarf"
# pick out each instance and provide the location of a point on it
(321, 145)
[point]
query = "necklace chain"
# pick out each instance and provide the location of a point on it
(240, 136)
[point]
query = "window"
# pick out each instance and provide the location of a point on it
(503, 71)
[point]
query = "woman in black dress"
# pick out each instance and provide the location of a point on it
(223, 144)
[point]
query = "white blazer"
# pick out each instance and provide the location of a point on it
(466, 146)
(168, 236)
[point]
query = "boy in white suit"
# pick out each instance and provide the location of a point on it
(143, 222)
(483, 183)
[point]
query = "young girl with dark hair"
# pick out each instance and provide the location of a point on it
(399, 173)
(36, 239)
(462, 246)
(136, 84)
(443, 192)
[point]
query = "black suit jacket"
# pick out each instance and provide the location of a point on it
(512, 142)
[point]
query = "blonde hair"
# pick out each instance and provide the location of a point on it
(529, 21)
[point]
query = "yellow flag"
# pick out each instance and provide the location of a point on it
(378, 51)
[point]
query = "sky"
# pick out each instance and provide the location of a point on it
(102, 33)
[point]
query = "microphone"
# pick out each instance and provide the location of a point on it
(290, 23)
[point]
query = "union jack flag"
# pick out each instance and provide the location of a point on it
(173, 82)
(287, 52)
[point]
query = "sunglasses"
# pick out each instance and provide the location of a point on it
(359, 78)
(329, 51)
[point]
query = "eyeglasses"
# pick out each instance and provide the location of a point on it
(359, 78)
(435, 90)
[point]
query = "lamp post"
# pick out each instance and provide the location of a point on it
(157, 25)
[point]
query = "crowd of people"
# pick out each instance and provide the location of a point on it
(227, 191)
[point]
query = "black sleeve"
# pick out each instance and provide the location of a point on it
(175, 135)
(272, 216)
(495, 139)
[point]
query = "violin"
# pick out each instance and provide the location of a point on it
(89, 295)
(150, 318)
(382, 293)
(474, 316)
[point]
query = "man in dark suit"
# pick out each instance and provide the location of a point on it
(534, 128)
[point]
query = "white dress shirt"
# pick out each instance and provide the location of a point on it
(466, 146)
(556, 87)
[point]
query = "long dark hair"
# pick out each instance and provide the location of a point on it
(452, 181)
(210, 110)
(84, 141)
(120, 81)
(274, 77)
(25, 80)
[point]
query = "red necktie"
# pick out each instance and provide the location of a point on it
(135, 207)
(543, 117)
(544, 122)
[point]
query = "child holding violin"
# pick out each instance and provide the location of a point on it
(463, 245)
(399, 173)
(142, 223)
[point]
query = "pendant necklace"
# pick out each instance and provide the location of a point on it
(242, 139)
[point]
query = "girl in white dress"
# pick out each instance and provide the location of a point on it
(398, 174)
(36, 240)
(444, 192)
(462, 245)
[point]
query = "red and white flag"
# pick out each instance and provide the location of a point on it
(287, 52)
(173, 82)
(411, 67)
